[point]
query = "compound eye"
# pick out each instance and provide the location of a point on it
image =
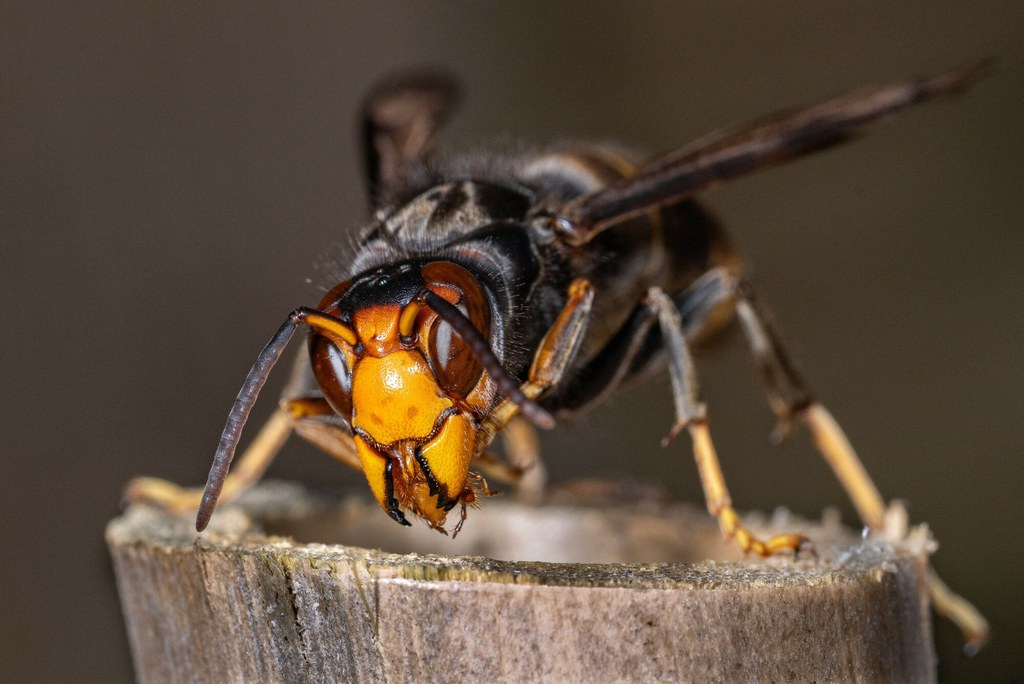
(332, 369)
(456, 367)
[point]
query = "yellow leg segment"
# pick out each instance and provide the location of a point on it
(958, 610)
(790, 398)
(247, 472)
(840, 456)
(523, 448)
(553, 356)
(720, 504)
(330, 437)
(838, 452)
(691, 414)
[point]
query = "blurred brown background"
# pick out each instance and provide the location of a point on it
(170, 171)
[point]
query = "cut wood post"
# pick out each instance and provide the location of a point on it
(597, 594)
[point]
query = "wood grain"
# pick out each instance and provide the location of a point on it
(600, 594)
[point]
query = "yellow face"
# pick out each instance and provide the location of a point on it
(402, 417)
(414, 397)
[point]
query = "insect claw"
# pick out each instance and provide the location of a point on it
(462, 519)
(805, 546)
(673, 432)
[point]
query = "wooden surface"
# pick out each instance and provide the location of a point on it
(598, 595)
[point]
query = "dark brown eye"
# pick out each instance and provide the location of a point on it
(333, 372)
(455, 366)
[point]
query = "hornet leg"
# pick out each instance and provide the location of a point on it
(246, 473)
(521, 466)
(790, 399)
(554, 355)
(523, 449)
(690, 414)
(301, 410)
